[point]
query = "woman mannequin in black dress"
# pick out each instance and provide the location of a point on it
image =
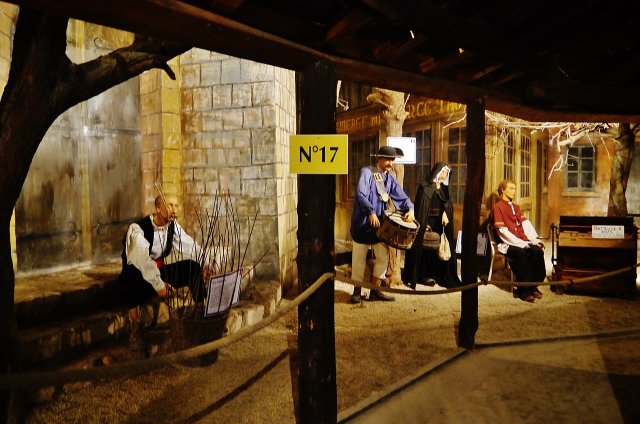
(433, 207)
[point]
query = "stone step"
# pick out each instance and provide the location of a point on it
(65, 294)
(69, 314)
(61, 342)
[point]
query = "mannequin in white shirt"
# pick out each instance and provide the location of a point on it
(519, 241)
(151, 270)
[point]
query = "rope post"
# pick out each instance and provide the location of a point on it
(474, 188)
(318, 399)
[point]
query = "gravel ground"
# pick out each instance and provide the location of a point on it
(377, 345)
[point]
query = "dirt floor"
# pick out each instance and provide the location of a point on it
(592, 380)
(378, 344)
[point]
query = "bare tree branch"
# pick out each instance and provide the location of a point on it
(92, 78)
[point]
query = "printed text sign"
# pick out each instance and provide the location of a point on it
(607, 231)
(319, 154)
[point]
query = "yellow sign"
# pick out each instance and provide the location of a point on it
(319, 154)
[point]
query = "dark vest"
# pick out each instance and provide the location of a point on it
(147, 229)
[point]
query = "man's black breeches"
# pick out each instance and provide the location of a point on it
(137, 291)
(527, 264)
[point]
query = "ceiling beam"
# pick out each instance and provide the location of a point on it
(349, 25)
(185, 23)
(425, 17)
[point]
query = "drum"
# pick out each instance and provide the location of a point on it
(396, 232)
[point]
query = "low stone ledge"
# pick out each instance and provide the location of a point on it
(266, 293)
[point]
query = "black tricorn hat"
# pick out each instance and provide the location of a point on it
(389, 152)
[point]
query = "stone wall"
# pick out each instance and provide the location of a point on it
(237, 116)
(161, 130)
(82, 189)
(222, 126)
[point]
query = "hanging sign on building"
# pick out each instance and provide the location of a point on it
(319, 154)
(408, 146)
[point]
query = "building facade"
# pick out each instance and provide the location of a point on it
(522, 151)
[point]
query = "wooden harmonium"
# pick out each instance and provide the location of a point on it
(587, 246)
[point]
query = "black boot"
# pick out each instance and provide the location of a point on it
(526, 294)
(378, 295)
(356, 297)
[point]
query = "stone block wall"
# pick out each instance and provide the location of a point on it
(237, 116)
(222, 126)
(161, 135)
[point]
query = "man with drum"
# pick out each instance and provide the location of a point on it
(377, 187)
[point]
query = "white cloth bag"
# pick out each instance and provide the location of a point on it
(444, 252)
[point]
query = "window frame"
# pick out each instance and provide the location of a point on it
(368, 145)
(509, 156)
(579, 188)
(524, 178)
(415, 174)
(459, 166)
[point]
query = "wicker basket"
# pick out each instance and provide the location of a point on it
(190, 328)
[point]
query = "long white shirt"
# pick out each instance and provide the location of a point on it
(137, 248)
(510, 239)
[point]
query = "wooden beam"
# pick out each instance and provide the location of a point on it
(469, 34)
(444, 64)
(392, 52)
(474, 189)
(232, 4)
(318, 402)
(181, 22)
(185, 23)
(346, 27)
(481, 73)
(420, 85)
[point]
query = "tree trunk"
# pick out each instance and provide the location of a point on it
(620, 170)
(394, 115)
(42, 84)
(9, 358)
(318, 402)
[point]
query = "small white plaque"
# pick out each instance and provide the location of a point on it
(224, 292)
(607, 231)
(408, 146)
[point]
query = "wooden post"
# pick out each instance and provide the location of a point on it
(318, 401)
(474, 188)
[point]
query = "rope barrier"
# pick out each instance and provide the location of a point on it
(32, 380)
(570, 282)
(343, 276)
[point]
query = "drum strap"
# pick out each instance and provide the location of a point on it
(380, 188)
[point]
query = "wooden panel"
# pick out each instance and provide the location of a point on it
(594, 243)
(579, 255)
